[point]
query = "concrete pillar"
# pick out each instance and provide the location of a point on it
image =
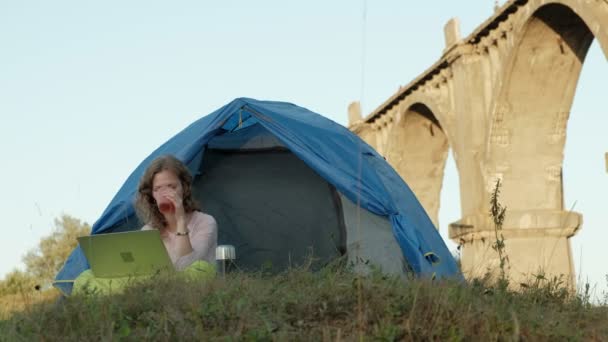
(451, 32)
(354, 113)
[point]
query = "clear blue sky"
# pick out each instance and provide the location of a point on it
(88, 89)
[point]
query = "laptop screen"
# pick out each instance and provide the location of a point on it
(125, 254)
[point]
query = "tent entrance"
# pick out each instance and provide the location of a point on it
(272, 207)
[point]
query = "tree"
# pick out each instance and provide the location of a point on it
(44, 261)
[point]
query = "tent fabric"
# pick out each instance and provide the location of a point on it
(337, 155)
(370, 237)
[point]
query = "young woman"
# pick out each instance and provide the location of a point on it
(165, 202)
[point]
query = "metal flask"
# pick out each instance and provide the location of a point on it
(225, 256)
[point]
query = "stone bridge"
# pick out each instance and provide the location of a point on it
(500, 99)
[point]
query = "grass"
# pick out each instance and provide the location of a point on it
(23, 301)
(320, 306)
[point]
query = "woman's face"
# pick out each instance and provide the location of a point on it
(166, 182)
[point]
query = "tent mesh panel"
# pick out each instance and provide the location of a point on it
(271, 207)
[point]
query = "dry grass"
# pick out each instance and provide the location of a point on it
(300, 305)
(20, 302)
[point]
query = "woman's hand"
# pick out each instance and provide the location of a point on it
(182, 244)
(177, 201)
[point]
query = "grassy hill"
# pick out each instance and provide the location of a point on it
(333, 304)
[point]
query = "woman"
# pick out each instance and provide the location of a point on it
(165, 202)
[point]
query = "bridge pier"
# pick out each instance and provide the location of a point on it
(536, 243)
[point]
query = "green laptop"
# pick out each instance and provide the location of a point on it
(125, 254)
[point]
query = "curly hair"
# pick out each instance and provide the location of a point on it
(145, 205)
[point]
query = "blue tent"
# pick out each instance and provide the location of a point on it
(330, 150)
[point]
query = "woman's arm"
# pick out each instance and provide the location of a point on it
(180, 229)
(202, 238)
(183, 242)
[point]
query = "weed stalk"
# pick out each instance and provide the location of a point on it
(498, 211)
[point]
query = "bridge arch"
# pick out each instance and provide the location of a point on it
(417, 147)
(528, 129)
(594, 16)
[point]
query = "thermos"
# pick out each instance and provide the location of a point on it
(225, 256)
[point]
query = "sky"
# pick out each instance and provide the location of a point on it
(89, 88)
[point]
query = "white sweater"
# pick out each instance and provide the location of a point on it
(203, 238)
